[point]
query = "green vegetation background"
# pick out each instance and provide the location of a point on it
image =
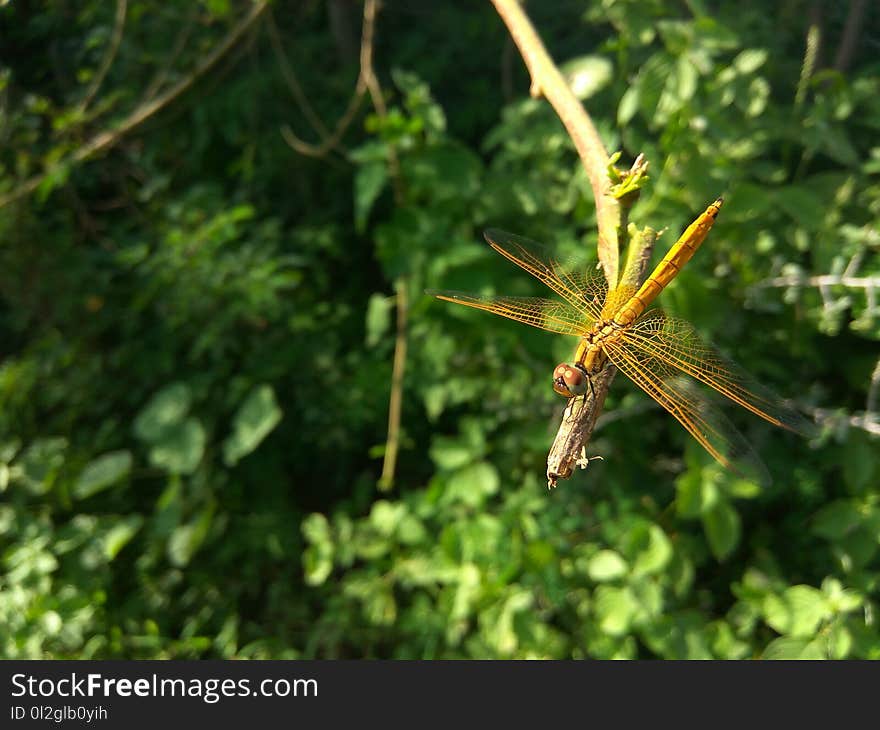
(198, 326)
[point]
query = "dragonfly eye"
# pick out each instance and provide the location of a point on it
(569, 380)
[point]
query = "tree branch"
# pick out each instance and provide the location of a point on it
(547, 81)
(331, 140)
(110, 137)
(401, 283)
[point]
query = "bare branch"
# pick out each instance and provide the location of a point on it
(332, 140)
(292, 81)
(850, 39)
(853, 282)
(401, 283)
(395, 403)
(867, 421)
(549, 82)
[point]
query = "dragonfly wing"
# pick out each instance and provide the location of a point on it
(586, 291)
(675, 344)
(545, 314)
(692, 406)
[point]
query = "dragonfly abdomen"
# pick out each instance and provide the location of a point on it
(670, 266)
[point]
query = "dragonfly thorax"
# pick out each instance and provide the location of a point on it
(573, 379)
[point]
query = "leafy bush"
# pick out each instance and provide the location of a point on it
(199, 329)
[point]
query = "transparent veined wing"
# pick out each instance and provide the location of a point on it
(584, 290)
(545, 314)
(675, 343)
(686, 400)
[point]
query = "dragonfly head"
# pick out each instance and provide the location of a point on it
(569, 380)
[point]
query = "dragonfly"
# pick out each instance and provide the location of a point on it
(662, 355)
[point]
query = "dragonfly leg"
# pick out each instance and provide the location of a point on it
(585, 460)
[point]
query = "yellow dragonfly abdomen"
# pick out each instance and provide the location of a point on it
(670, 266)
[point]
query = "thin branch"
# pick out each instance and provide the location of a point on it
(826, 280)
(109, 56)
(395, 402)
(549, 82)
(867, 421)
(110, 137)
(179, 44)
(371, 7)
(292, 81)
(331, 140)
(401, 283)
(850, 39)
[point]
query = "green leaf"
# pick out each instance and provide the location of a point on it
(839, 641)
(369, 181)
(166, 408)
(411, 530)
(499, 624)
(656, 556)
(121, 534)
(797, 612)
(802, 205)
(587, 75)
(179, 447)
(219, 8)
(8, 450)
(689, 493)
(722, 527)
(317, 558)
(679, 635)
(790, 648)
(687, 78)
(385, 516)
(101, 473)
(861, 468)
(378, 318)
(837, 519)
(725, 644)
(40, 463)
(317, 563)
(606, 565)
(255, 419)
(187, 539)
(472, 484)
(750, 60)
(315, 528)
(840, 599)
(628, 106)
(450, 453)
(615, 609)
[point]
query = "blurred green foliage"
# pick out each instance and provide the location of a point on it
(198, 330)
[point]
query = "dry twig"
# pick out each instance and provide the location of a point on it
(366, 78)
